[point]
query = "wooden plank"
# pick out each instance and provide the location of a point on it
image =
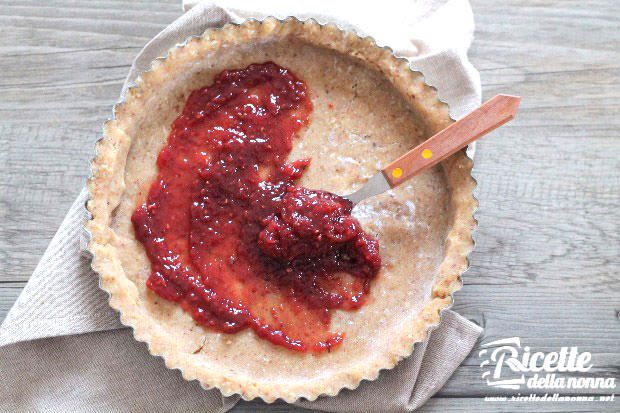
(8, 294)
(480, 405)
(466, 404)
(547, 257)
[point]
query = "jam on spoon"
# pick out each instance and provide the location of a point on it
(229, 235)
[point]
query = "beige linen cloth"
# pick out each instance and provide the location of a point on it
(63, 349)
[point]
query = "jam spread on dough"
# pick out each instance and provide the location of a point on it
(228, 233)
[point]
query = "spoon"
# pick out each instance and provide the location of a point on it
(491, 115)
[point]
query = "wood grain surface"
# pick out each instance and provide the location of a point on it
(546, 266)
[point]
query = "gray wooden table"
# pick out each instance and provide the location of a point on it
(547, 263)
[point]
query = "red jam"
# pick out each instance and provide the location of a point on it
(232, 238)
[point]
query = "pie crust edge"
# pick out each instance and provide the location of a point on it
(106, 186)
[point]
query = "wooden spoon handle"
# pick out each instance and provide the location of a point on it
(492, 114)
